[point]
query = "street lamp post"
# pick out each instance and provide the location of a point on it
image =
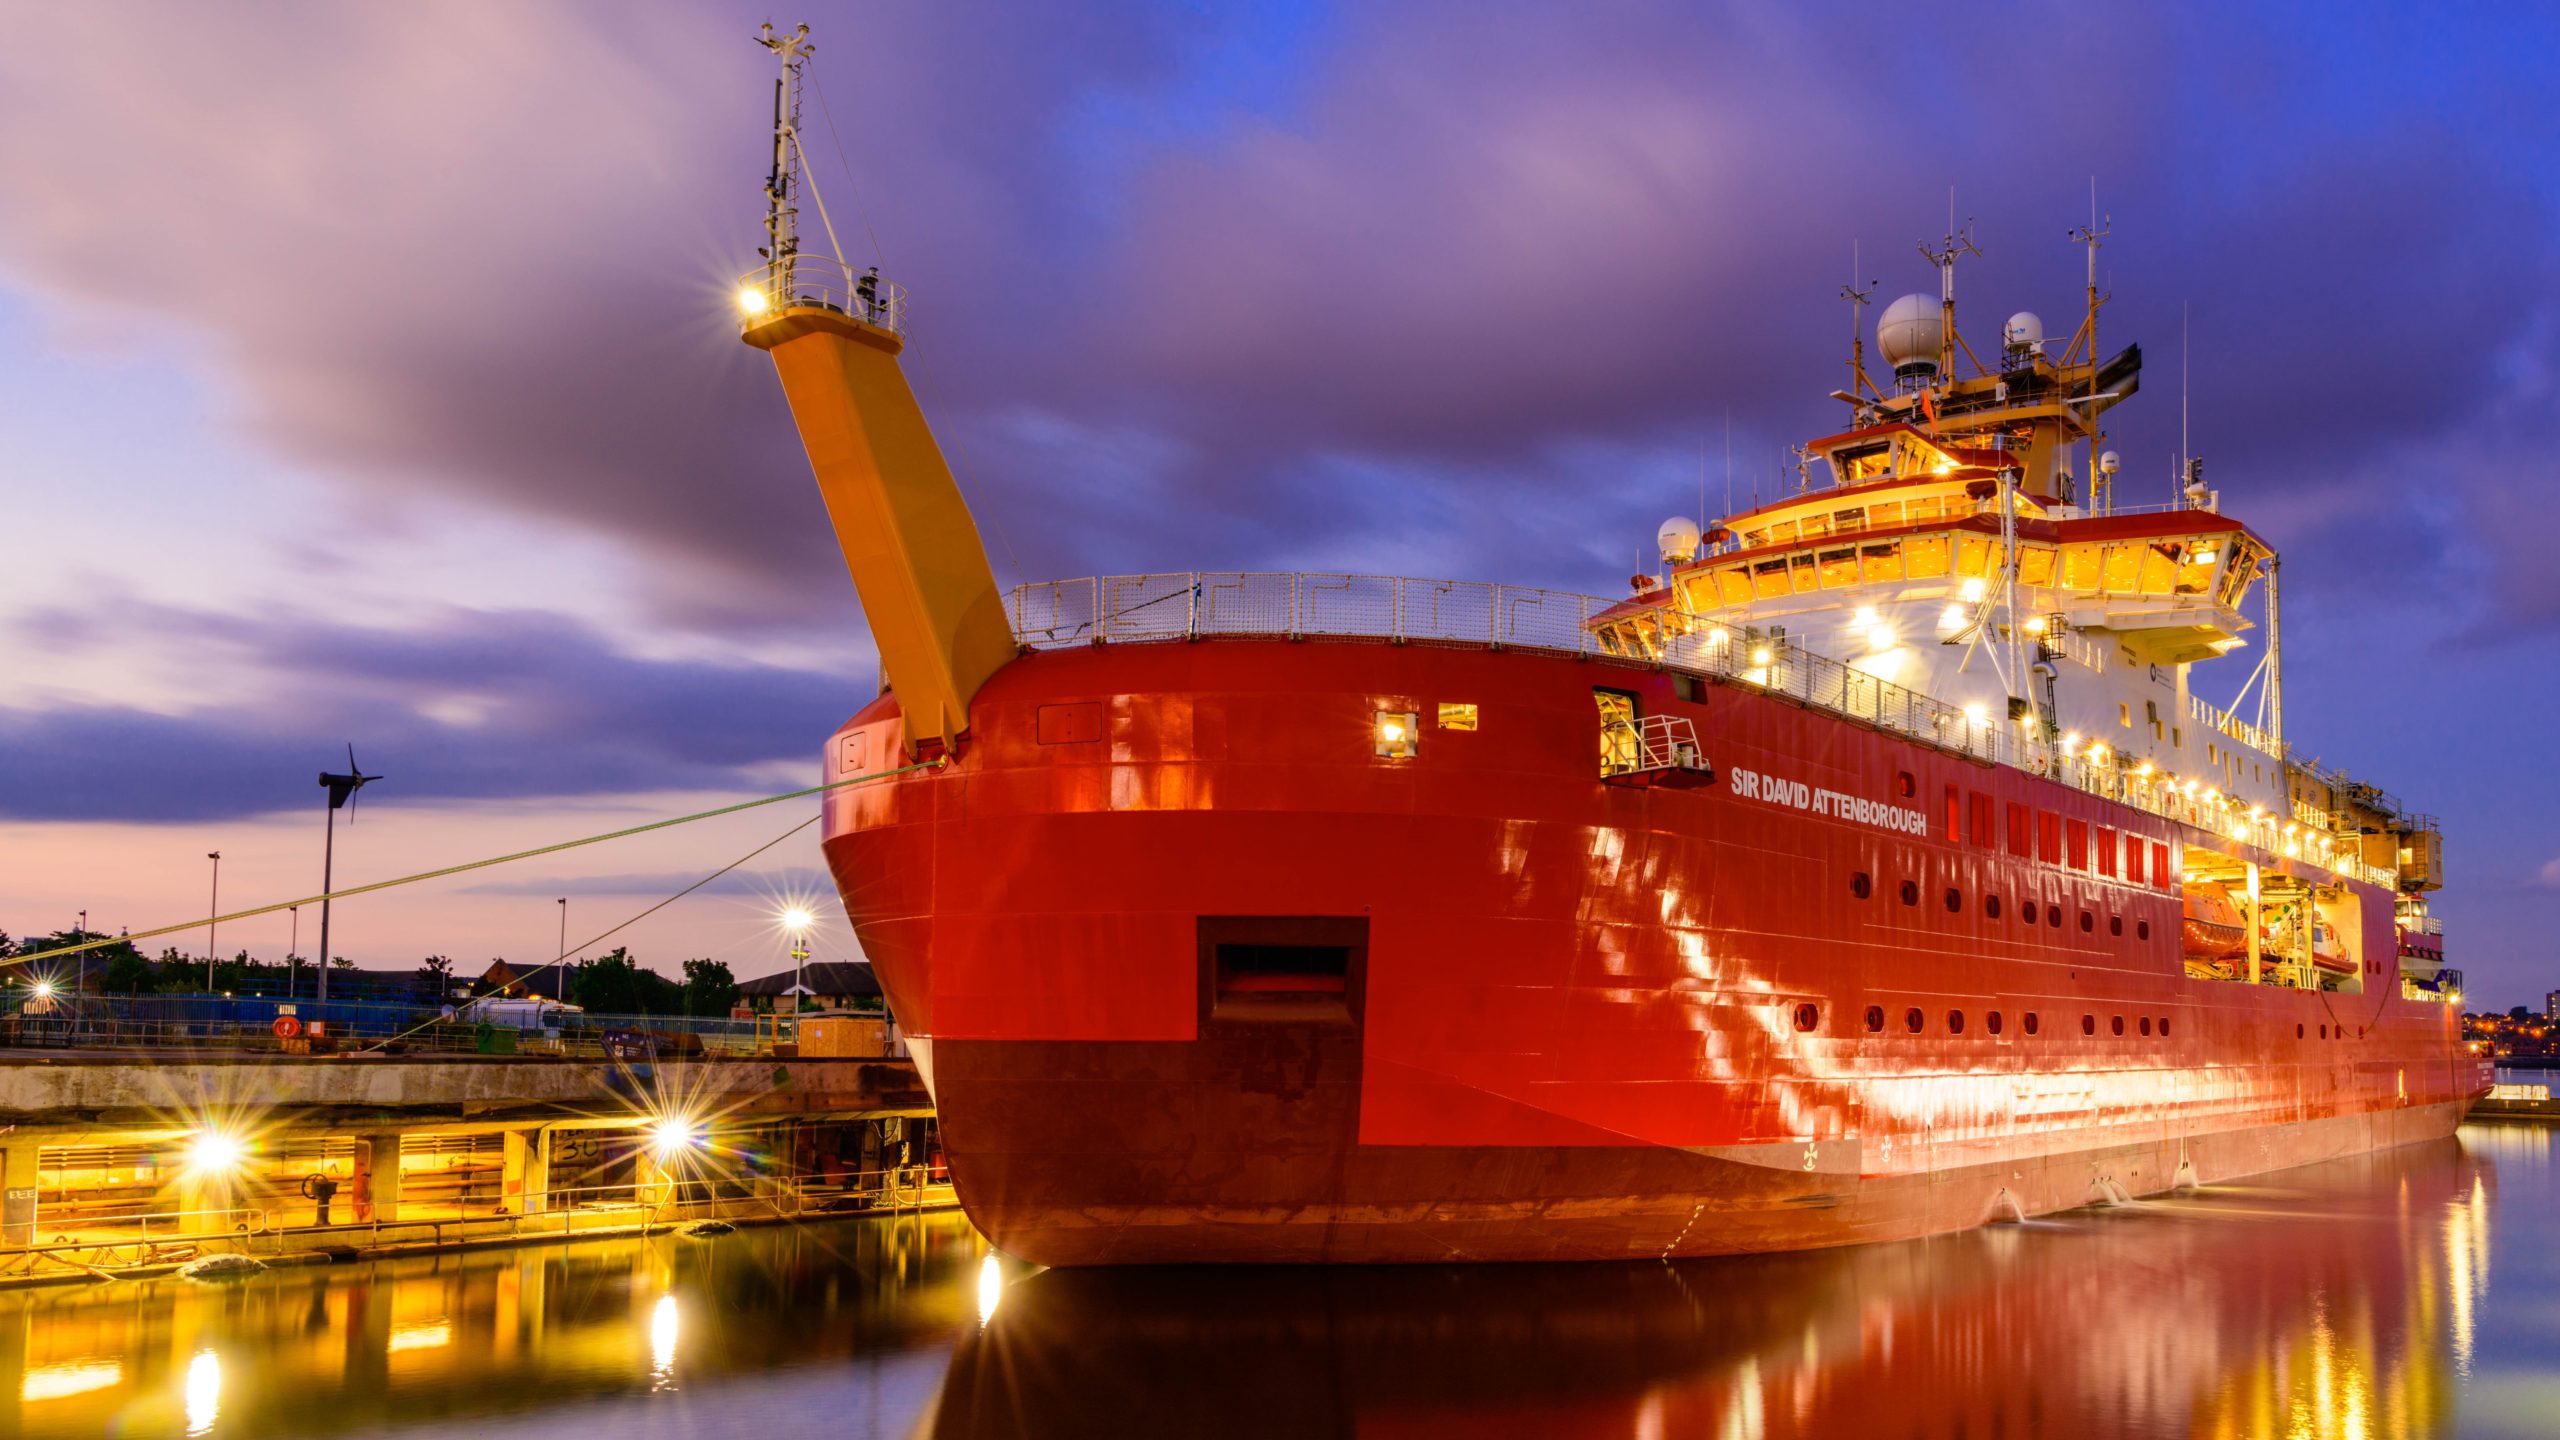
(562, 955)
(82, 982)
(292, 950)
(797, 921)
(212, 917)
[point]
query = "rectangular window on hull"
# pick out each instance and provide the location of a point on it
(2076, 851)
(2106, 851)
(2133, 858)
(1979, 832)
(2022, 830)
(1955, 815)
(2160, 872)
(1282, 968)
(2048, 837)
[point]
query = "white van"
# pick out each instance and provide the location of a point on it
(528, 1014)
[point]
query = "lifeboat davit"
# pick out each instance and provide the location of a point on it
(2328, 954)
(2213, 927)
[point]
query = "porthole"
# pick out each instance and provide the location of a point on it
(1991, 1022)
(2324, 1032)
(2297, 1030)
(2146, 1024)
(1808, 1015)
(1861, 886)
(2027, 911)
(2088, 922)
(1955, 1022)
(1955, 900)
(2116, 1025)
(1875, 1017)
(2141, 929)
(2088, 1024)
(1910, 892)
(2115, 925)
(1912, 1019)
(1991, 906)
(2031, 1022)
(1905, 784)
(2053, 916)
(2164, 1025)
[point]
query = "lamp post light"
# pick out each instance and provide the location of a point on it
(292, 950)
(797, 920)
(212, 917)
(563, 953)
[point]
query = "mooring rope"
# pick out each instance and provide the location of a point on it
(468, 865)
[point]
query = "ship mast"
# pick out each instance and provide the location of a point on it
(2090, 235)
(1957, 244)
(782, 239)
(1859, 385)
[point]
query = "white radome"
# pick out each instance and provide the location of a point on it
(1911, 333)
(1678, 538)
(2024, 331)
(2108, 462)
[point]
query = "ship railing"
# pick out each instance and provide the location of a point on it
(2214, 717)
(1189, 605)
(823, 282)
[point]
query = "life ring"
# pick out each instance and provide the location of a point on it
(286, 1027)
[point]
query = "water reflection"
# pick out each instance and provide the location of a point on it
(2388, 1296)
(2337, 1301)
(439, 1345)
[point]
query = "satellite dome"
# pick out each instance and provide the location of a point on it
(2024, 331)
(1678, 538)
(1911, 334)
(2108, 462)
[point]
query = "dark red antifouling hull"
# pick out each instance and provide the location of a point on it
(1572, 1020)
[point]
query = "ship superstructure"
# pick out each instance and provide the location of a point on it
(1873, 870)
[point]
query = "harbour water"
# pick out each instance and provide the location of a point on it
(2411, 1293)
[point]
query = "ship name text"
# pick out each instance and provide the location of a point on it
(1796, 794)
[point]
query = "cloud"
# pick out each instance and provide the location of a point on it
(483, 706)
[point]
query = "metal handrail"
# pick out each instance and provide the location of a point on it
(1135, 609)
(826, 283)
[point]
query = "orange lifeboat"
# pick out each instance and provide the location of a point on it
(2213, 928)
(2328, 953)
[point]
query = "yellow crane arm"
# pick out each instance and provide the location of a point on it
(906, 534)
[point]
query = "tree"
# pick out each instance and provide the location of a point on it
(709, 988)
(126, 972)
(2519, 1014)
(437, 971)
(615, 984)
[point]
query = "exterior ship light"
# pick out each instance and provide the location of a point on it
(751, 300)
(1398, 734)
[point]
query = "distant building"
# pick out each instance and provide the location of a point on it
(833, 985)
(2551, 1006)
(550, 982)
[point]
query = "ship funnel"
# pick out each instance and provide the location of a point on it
(907, 536)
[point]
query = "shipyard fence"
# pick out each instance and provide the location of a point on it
(1207, 605)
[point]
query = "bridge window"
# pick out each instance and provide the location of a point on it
(1840, 568)
(2080, 564)
(2035, 565)
(1925, 556)
(1880, 562)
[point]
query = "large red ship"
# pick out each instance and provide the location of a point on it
(1869, 871)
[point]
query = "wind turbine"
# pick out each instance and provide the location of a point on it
(342, 792)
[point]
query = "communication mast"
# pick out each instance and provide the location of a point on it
(781, 230)
(1859, 384)
(2091, 235)
(1957, 244)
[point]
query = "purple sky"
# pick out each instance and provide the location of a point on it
(365, 373)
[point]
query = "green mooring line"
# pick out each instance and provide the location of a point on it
(201, 921)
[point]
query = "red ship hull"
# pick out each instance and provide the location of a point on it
(1546, 1017)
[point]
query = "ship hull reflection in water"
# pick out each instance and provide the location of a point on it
(2359, 1298)
(2339, 1300)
